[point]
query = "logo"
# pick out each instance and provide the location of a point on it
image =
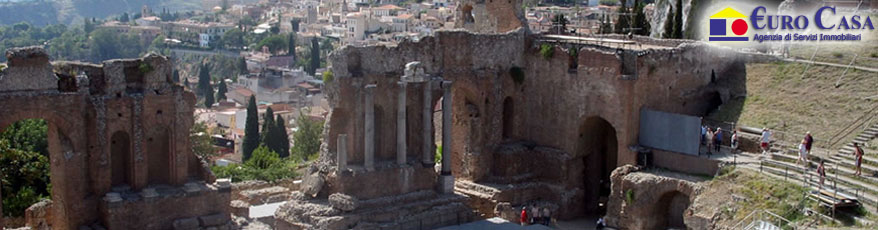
(728, 25)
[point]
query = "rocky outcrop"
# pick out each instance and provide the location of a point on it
(652, 199)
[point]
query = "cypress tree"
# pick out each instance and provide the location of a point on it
(203, 80)
(221, 91)
(315, 56)
(251, 130)
(622, 23)
(267, 126)
(669, 24)
(640, 20)
(242, 66)
(283, 138)
(291, 44)
(176, 76)
(678, 20)
(208, 96)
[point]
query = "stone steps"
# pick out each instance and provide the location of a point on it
(867, 192)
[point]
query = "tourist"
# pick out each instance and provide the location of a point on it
(734, 142)
(600, 224)
(523, 216)
(766, 138)
(535, 214)
(822, 172)
(709, 136)
(718, 138)
(803, 154)
(547, 217)
(809, 141)
(859, 153)
(703, 133)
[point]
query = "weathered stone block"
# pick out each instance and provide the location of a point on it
(186, 224)
(343, 202)
(214, 220)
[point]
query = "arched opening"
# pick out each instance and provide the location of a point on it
(158, 150)
(669, 211)
(467, 13)
(508, 117)
(120, 152)
(25, 169)
(599, 149)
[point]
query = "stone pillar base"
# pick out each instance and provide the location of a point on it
(446, 184)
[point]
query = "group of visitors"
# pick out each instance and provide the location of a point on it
(533, 214)
(712, 138)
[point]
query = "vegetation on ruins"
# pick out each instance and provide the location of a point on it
(327, 76)
(547, 51)
(251, 129)
(264, 165)
(306, 139)
(24, 165)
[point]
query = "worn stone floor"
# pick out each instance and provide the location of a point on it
(497, 223)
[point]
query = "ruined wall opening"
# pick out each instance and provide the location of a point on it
(508, 117)
(120, 156)
(383, 149)
(158, 154)
(26, 149)
(467, 13)
(669, 211)
(598, 146)
(437, 129)
(713, 100)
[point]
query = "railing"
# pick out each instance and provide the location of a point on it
(839, 136)
(760, 215)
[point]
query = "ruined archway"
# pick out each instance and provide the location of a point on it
(158, 151)
(599, 150)
(466, 12)
(669, 211)
(120, 158)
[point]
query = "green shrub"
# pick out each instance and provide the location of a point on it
(327, 76)
(438, 157)
(264, 165)
(517, 74)
(144, 68)
(547, 51)
(629, 196)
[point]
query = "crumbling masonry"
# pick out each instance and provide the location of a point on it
(118, 143)
(519, 125)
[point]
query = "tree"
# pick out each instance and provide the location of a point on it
(559, 24)
(251, 129)
(306, 139)
(203, 80)
(201, 142)
(295, 25)
(678, 20)
(233, 38)
(315, 57)
(622, 22)
(87, 26)
(176, 76)
(275, 43)
(221, 91)
(267, 126)
(283, 138)
(24, 165)
(640, 20)
(291, 44)
(242, 66)
(123, 18)
(669, 24)
(208, 96)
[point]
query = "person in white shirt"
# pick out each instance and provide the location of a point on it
(766, 139)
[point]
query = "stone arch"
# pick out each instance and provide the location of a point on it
(508, 118)
(120, 159)
(598, 148)
(158, 156)
(60, 146)
(670, 210)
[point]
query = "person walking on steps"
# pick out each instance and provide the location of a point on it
(766, 138)
(523, 216)
(859, 153)
(821, 170)
(709, 141)
(733, 143)
(803, 154)
(809, 141)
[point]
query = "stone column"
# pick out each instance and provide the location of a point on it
(401, 144)
(428, 124)
(447, 182)
(342, 153)
(369, 160)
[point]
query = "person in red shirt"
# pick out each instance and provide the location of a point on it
(523, 216)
